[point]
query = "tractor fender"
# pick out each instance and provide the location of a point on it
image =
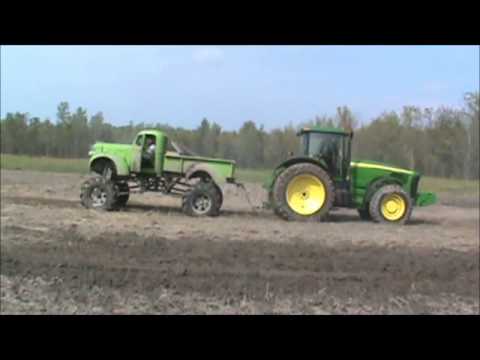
(195, 169)
(121, 167)
(378, 183)
(300, 159)
(287, 163)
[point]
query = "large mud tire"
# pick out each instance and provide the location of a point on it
(99, 194)
(220, 194)
(122, 199)
(280, 202)
(205, 199)
(391, 205)
(269, 204)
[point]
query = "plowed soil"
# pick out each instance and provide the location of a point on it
(58, 257)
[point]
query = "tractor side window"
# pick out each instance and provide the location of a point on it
(139, 140)
(347, 155)
(340, 157)
(304, 145)
(346, 148)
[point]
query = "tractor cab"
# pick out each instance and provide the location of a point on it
(330, 146)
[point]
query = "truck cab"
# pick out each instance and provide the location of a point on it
(142, 163)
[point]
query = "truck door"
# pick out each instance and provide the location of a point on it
(137, 153)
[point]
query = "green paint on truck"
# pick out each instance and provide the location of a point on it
(154, 163)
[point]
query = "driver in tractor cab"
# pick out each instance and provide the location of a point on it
(329, 151)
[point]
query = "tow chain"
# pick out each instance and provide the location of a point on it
(242, 186)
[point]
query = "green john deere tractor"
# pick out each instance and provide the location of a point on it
(307, 186)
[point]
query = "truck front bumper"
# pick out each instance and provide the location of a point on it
(425, 199)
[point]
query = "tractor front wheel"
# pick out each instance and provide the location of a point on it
(391, 204)
(303, 192)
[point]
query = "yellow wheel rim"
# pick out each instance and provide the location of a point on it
(393, 207)
(305, 194)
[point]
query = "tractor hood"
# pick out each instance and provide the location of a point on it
(375, 165)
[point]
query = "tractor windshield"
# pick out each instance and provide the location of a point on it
(332, 148)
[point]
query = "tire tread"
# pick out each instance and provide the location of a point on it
(280, 205)
(374, 207)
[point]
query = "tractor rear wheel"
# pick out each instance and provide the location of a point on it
(391, 205)
(98, 193)
(203, 200)
(303, 192)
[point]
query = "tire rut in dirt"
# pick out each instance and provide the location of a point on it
(133, 206)
(39, 201)
(131, 263)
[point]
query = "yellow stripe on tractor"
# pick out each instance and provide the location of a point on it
(381, 167)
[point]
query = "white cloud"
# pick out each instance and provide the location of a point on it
(208, 55)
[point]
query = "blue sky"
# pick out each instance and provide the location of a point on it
(271, 85)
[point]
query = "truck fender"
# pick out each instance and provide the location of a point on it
(121, 167)
(195, 169)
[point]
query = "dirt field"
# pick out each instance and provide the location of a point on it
(57, 257)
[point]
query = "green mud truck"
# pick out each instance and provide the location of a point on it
(306, 187)
(155, 163)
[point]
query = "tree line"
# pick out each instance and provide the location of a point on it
(441, 141)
